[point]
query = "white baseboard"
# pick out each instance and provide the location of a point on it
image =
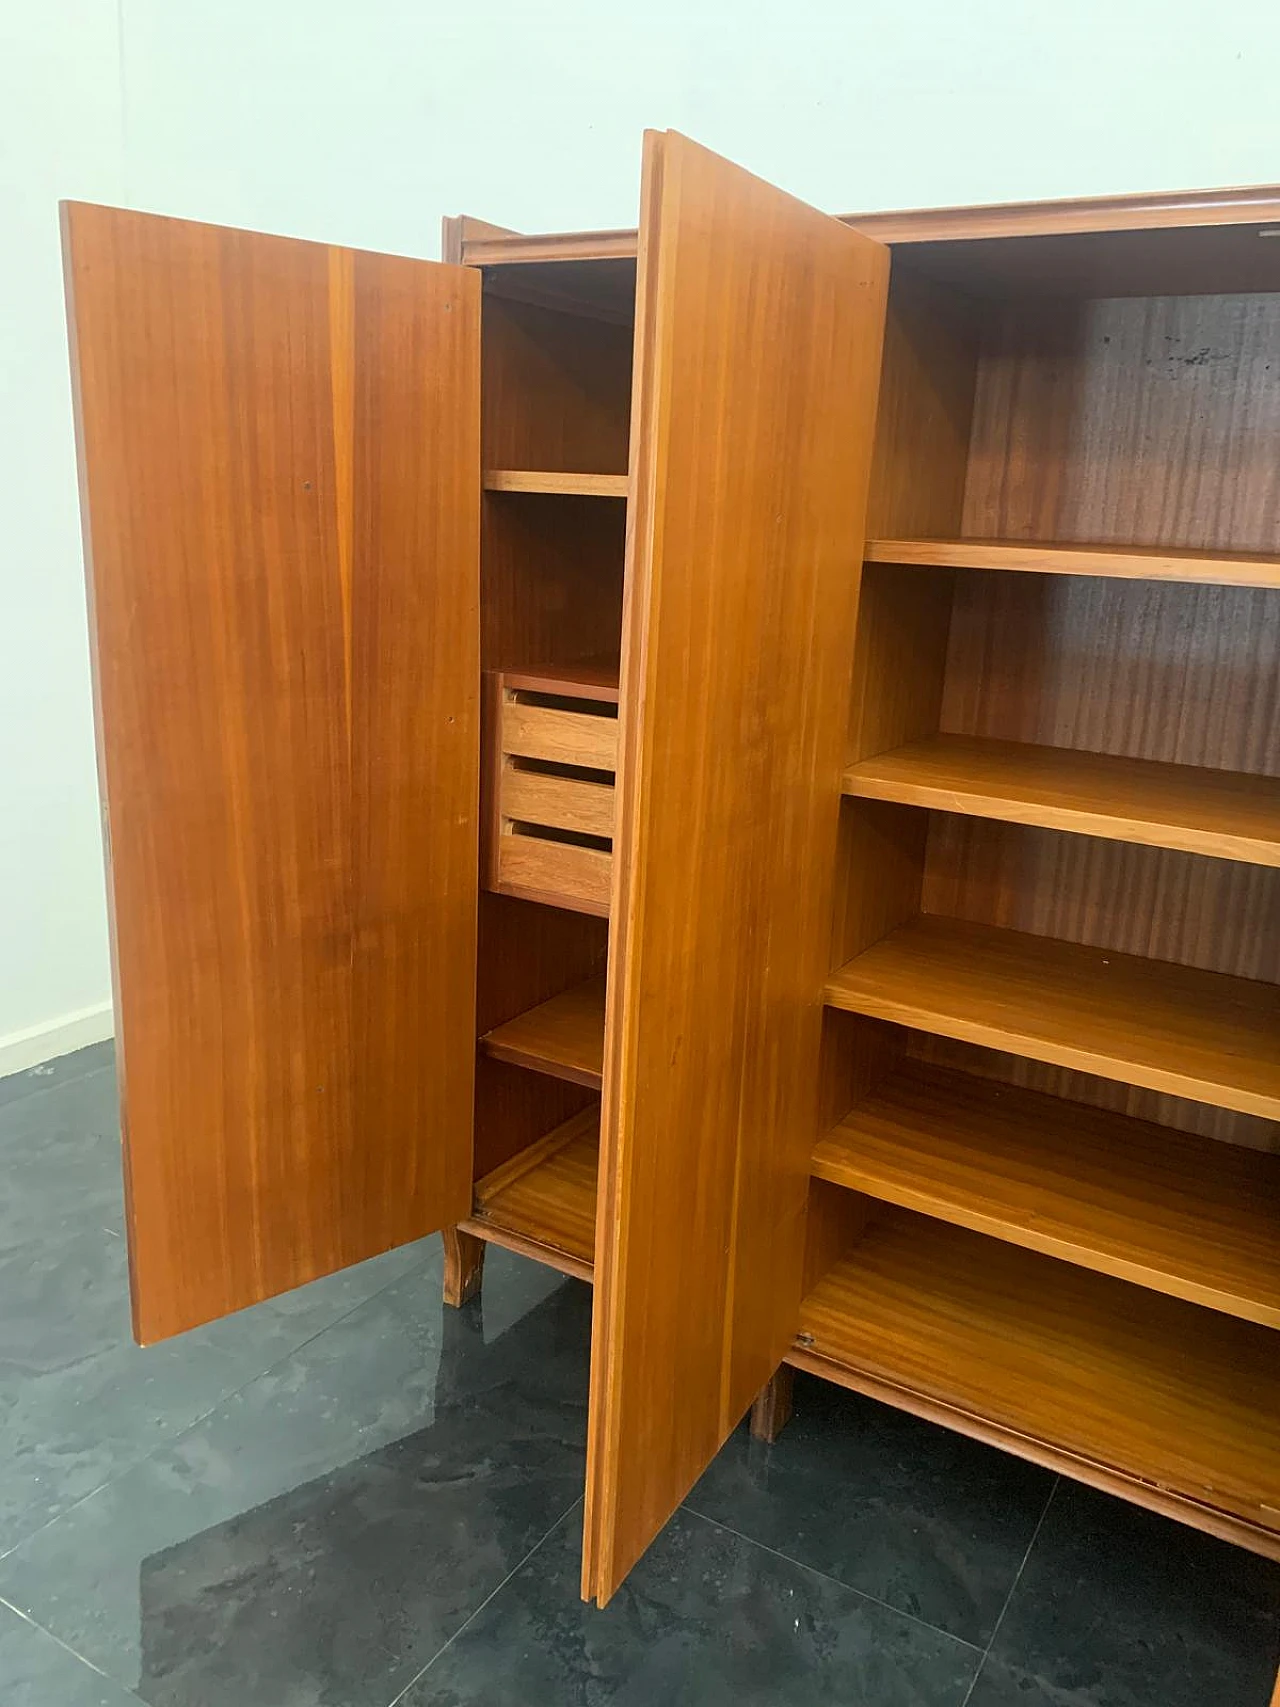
(39, 1043)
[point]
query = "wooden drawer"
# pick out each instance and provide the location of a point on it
(551, 743)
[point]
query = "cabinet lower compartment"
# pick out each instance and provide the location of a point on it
(542, 1203)
(1170, 1404)
(1166, 1403)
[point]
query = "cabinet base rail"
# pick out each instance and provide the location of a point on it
(1111, 1481)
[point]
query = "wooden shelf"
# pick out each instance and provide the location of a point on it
(566, 485)
(1180, 1214)
(1134, 1391)
(1171, 1028)
(543, 1201)
(1127, 562)
(1226, 813)
(590, 678)
(563, 1037)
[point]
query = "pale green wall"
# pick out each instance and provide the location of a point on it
(363, 123)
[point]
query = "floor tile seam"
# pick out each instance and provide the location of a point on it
(1013, 1587)
(472, 1616)
(171, 1440)
(826, 1576)
(67, 1648)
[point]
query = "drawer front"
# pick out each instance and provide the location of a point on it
(556, 872)
(558, 802)
(549, 775)
(557, 736)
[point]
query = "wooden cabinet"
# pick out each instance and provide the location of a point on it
(738, 759)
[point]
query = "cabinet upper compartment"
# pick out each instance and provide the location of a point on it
(557, 348)
(558, 344)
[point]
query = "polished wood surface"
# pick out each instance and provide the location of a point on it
(585, 678)
(1158, 903)
(463, 1266)
(1114, 422)
(927, 378)
(600, 289)
(1174, 674)
(542, 248)
(1157, 211)
(899, 659)
(279, 450)
(1148, 1022)
(551, 583)
(928, 375)
(558, 802)
(1181, 1114)
(528, 953)
(1241, 569)
(1182, 1215)
(772, 1410)
(1183, 261)
(1118, 455)
(835, 1220)
(535, 731)
(571, 485)
(758, 342)
(551, 597)
(556, 389)
(1186, 209)
(548, 795)
(556, 874)
(1198, 810)
(1164, 1398)
(459, 231)
(546, 1195)
(1171, 673)
(1130, 422)
(563, 1037)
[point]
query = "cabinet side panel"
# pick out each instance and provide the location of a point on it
(757, 369)
(280, 472)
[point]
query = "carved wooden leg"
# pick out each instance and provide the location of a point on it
(463, 1265)
(772, 1410)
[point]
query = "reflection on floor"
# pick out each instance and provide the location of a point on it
(352, 1497)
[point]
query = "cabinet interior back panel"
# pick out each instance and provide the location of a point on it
(1150, 670)
(551, 580)
(1198, 911)
(556, 389)
(1129, 420)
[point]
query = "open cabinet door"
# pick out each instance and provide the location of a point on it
(759, 329)
(279, 455)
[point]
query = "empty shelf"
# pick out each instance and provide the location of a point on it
(1128, 562)
(1226, 813)
(563, 1037)
(1171, 1028)
(543, 1201)
(1132, 1390)
(592, 678)
(570, 485)
(1180, 1214)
